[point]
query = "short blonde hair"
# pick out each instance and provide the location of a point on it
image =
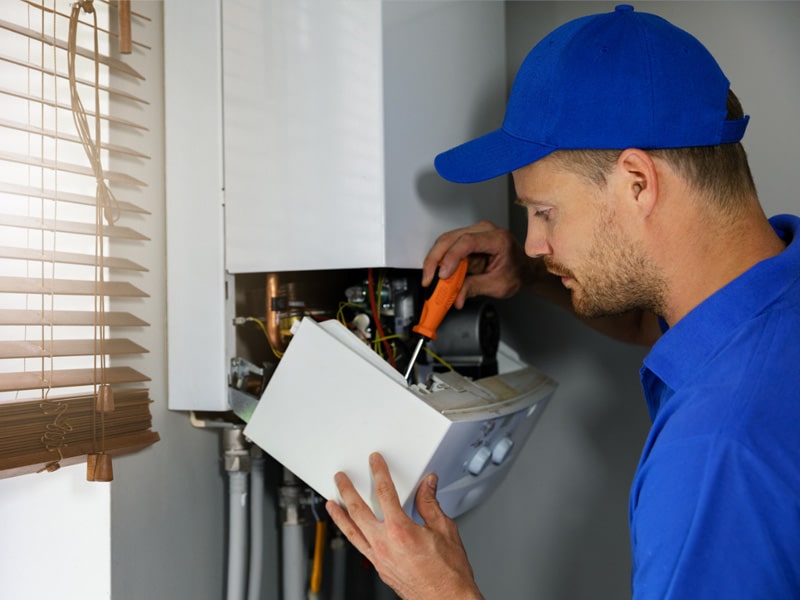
(720, 173)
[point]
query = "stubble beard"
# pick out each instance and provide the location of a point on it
(619, 276)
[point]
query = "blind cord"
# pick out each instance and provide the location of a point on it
(107, 205)
(54, 438)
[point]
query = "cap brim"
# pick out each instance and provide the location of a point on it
(488, 156)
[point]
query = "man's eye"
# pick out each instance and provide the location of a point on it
(542, 213)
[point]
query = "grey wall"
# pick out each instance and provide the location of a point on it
(557, 528)
(168, 501)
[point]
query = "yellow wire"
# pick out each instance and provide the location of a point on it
(440, 360)
(316, 570)
(391, 337)
(258, 322)
(340, 312)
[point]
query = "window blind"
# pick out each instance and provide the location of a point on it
(68, 392)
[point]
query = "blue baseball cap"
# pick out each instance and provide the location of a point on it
(608, 81)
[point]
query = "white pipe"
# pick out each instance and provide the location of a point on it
(294, 576)
(256, 528)
(237, 534)
(338, 568)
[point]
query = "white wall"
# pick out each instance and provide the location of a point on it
(558, 529)
(157, 531)
(64, 520)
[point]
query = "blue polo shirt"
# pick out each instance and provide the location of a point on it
(714, 508)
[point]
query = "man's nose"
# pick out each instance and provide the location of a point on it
(536, 243)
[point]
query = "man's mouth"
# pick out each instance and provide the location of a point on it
(559, 271)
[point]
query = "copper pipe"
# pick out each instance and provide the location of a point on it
(273, 329)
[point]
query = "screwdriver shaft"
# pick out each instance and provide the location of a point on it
(414, 356)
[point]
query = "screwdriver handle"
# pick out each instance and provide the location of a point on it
(436, 307)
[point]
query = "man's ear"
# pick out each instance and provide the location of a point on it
(639, 179)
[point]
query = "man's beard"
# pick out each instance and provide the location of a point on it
(619, 276)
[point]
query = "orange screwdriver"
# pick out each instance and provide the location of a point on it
(435, 308)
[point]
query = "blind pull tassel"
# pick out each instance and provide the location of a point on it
(98, 468)
(104, 400)
(124, 21)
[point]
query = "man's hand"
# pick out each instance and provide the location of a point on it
(497, 262)
(420, 562)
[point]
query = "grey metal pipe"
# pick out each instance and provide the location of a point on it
(236, 454)
(256, 525)
(293, 544)
(338, 568)
(237, 535)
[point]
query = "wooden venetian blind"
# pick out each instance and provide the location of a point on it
(67, 389)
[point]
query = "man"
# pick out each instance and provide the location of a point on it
(622, 137)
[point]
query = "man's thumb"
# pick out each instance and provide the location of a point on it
(427, 504)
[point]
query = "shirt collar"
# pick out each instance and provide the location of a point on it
(686, 346)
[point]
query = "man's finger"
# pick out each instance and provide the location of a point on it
(442, 251)
(353, 502)
(384, 487)
(355, 520)
(346, 525)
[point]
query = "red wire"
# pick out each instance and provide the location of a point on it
(377, 318)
